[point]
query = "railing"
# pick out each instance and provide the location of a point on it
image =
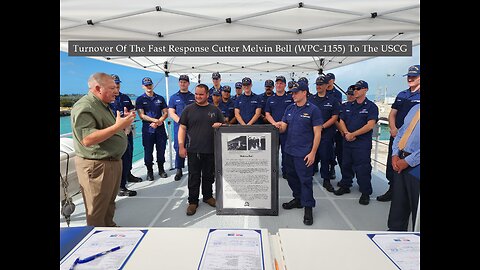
(379, 149)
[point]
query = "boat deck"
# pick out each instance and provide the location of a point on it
(163, 202)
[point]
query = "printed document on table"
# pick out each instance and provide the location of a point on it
(233, 249)
(101, 241)
(403, 249)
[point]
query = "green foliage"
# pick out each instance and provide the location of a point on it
(69, 99)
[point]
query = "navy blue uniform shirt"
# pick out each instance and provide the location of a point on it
(301, 121)
(210, 93)
(336, 94)
(328, 106)
(151, 106)
(404, 101)
(179, 101)
(247, 106)
(356, 116)
(121, 101)
(227, 108)
(276, 105)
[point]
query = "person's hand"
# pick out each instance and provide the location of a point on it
(395, 159)
(182, 151)
(124, 121)
(153, 125)
(393, 132)
(309, 159)
(402, 165)
(349, 137)
(217, 125)
(277, 125)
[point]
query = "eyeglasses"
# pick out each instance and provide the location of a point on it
(350, 93)
(215, 79)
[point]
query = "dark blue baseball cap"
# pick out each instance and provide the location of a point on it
(281, 78)
(216, 75)
(330, 76)
(238, 85)
(303, 79)
(361, 84)
(246, 81)
(301, 86)
(226, 88)
(291, 84)
(269, 83)
(216, 93)
(350, 89)
(413, 71)
(184, 77)
(147, 81)
(116, 78)
(322, 80)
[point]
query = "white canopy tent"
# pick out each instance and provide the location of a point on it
(238, 20)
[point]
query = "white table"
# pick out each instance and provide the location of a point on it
(331, 249)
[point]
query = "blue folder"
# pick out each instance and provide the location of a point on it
(70, 237)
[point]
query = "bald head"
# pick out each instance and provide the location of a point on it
(97, 78)
(102, 86)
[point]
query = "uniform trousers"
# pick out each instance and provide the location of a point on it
(299, 178)
(406, 193)
(357, 161)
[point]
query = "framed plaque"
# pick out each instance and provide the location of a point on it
(246, 170)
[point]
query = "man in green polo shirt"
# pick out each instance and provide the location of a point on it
(99, 141)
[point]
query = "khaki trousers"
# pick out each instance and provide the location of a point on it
(99, 181)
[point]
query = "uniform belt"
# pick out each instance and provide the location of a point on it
(403, 154)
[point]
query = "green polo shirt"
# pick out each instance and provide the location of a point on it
(88, 115)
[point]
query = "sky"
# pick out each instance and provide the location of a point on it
(383, 75)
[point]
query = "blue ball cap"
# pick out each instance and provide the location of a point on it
(269, 83)
(301, 86)
(216, 75)
(350, 89)
(238, 85)
(322, 80)
(116, 78)
(246, 81)
(413, 71)
(184, 78)
(361, 84)
(281, 78)
(216, 93)
(226, 88)
(330, 76)
(147, 81)
(303, 79)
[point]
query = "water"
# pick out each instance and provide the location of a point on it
(66, 127)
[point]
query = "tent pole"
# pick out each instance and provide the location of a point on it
(169, 123)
